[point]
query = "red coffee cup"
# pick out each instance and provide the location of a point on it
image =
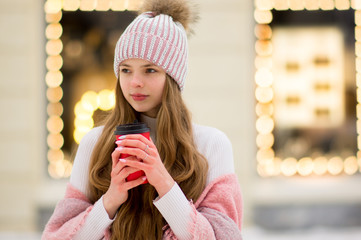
(132, 128)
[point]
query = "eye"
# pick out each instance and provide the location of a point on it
(150, 70)
(124, 70)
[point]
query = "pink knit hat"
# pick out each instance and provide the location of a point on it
(158, 39)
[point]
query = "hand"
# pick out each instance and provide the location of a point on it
(117, 192)
(145, 156)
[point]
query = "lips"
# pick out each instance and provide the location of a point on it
(138, 97)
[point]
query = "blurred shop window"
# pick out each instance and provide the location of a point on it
(81, 83)
(306, 93)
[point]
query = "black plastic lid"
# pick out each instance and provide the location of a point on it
(131, 128)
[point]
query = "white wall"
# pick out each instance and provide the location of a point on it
(220, 87)
(22, 118)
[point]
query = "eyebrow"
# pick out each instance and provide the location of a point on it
(145, 66)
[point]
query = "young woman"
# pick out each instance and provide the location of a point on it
(191, 190)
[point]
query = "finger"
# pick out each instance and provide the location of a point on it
(138, 153)
(137, 164)
(123, 173)
(134, 143)
(135, 183)
(116, 155)
(117, 167)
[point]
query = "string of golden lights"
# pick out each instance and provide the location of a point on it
(267, 163)
(59, 166)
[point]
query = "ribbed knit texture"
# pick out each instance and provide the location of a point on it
(157, 39)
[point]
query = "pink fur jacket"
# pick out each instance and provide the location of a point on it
(217, 214)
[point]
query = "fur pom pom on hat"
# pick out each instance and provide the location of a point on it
(182, 11)
(159, 35)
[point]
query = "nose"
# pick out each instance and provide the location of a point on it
(137, 81)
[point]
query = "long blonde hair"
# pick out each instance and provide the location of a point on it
(137, 218)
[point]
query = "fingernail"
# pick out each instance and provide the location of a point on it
(118, 142)
(121, 137)
(122, 160)
(119, 148)
(144, 178)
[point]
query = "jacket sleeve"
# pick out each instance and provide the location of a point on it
(217, 214)
(69, 216)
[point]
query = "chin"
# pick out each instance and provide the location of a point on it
(140, 109)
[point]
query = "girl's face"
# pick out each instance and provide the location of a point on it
(142, 84)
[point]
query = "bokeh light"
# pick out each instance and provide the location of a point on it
(268, 163)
